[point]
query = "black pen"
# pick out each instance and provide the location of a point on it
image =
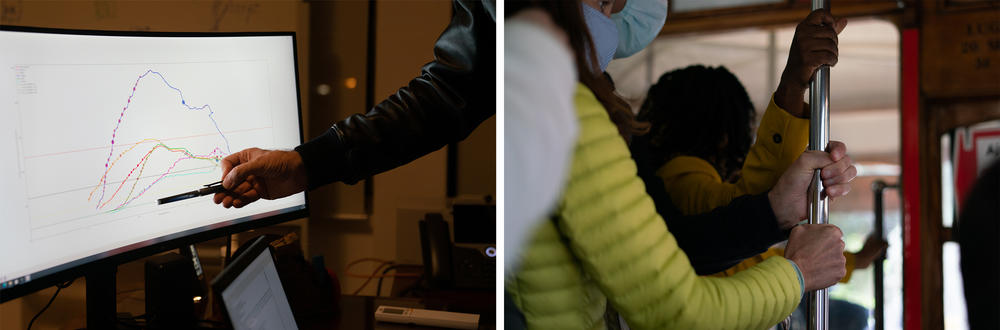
(211, 188)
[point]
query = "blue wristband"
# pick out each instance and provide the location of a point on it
(802, 284)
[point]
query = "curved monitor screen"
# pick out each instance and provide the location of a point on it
(99, 125)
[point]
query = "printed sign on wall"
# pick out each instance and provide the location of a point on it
(976, 148)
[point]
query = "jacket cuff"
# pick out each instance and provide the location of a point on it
(325, 158)
(783, 136)
(849, 266)
(802, 283)
(762, 208)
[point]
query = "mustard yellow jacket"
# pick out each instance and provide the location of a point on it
(606, 243)
(695, 187)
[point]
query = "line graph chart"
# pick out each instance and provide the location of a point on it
(141, 132)
(214, 156)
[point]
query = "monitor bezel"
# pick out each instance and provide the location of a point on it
(113, 258)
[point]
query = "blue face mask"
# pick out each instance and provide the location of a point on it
(638, 24)
(603, 32)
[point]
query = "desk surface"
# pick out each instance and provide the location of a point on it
(358, 312)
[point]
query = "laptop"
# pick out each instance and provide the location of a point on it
(251, 291)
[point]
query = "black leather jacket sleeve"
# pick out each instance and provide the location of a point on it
(451, 97)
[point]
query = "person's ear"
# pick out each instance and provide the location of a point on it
(618, 6)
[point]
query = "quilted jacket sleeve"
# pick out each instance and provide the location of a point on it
(695, 187)
(750, 262)
(612, 228)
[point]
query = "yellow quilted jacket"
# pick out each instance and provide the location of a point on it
(606, 243)
(695, 187)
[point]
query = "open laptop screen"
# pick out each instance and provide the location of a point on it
(252, 293)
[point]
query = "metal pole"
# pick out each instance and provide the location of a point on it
(878, 186)
(878, 189)
(819, 138)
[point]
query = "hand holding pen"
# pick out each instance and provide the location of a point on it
(252, 174)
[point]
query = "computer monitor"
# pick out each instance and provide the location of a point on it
(97, 125)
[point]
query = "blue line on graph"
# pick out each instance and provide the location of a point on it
(183, 102)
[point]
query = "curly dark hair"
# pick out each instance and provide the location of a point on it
(699, 111)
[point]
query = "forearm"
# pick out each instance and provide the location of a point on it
(723, 237)
(649, 280)
(778, 282)
(789, 96)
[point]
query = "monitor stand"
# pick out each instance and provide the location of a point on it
(102, 309)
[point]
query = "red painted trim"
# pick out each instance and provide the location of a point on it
(910, 147)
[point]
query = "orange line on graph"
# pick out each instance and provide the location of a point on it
(143, 163)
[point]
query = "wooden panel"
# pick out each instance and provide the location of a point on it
(338, 87)
(932, 295)
(188, 15)
(939, 117)
(476, 172)
(960, 85)
(966, 112)
(735, 18)
(961, 50)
